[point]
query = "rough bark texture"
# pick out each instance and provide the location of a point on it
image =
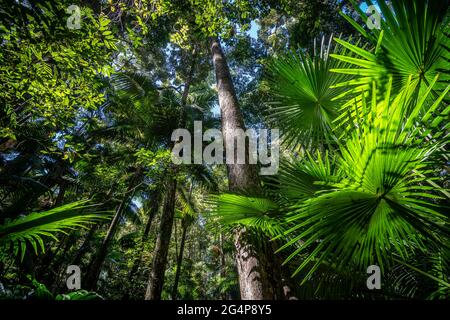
(156, 279)
(253, 276)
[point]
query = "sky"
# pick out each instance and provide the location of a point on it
(253, 32)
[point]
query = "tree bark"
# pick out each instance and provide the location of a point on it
(95, 266)
(253, 277)
(156, 279)
(241, 177)
(179, 261)
(152, 214)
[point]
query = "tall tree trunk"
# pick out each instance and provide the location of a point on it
(95, 266)
(253, 277)
(156, 279)
(152, 214)
(179, 261)
(85, 245)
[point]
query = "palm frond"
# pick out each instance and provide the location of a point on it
(257, 213)
(409, 44)
(303, 102)
(30, 229)
(383, 204)
(303, 178)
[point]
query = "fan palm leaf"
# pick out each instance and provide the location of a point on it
(303, 102)
(368, 203)
(410, 44)
(256, 213)
(383, 204)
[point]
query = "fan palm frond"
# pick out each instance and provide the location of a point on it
(303, 101)
(410, 43)
(257, 213)
(383, 204)
(303, 178)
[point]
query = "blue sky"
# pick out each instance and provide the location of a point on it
(253, 32)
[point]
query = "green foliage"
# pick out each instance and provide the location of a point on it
(363, 179)
(30, 229)
(303, 97)
(301, 179)
(258, 213)
(79, 295)
(377, 205)
(157, 161)
(49, 71)
(374, 200)
(411, 43)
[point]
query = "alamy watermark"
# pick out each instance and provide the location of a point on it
(374, 280)
(374, 18)
(242, 147)
(74, 21)
(73, 281)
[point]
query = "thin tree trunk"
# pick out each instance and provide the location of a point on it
(156, 279)
(152, 214)
(179, 261)
(95, 266)
(253, 277)
(62, 191)
(85, 245)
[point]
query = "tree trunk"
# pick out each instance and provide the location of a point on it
(179, 261)
(95, 266)
(253, 278)
(156, 279)
(152, 215)
(85, 245)
(62, 191)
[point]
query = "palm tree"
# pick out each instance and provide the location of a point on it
(155, 115)
(374, 197)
